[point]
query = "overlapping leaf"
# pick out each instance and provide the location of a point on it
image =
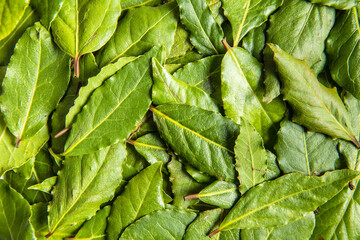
(11, 13)
(47, 10)
(338, 4)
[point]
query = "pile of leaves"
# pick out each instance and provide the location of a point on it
(186, 119)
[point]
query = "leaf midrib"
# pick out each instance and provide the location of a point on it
(237, 39)
(215, 193)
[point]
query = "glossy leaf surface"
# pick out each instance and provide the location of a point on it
(316, 107)
(47, 10)
(167, 89)
(127, 4)
(84, 183)
(250, 155)
(11, 12)
(338, 4)
(275, 203)
(139, 31)
(32, 78)
(142, 195)
(103, 113)
(242, 93)
(164, 224)
(245, 15)
(205, 33)
(305, 152)
(204, 138)
(254, 41)
(220, 193)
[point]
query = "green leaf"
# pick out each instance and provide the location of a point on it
(182, 42)
(203, 73)
(133, 164)
(254, 41)
(31, 173)
(338, 4)
(316, 107)
(123, 100)
(127, 4)
(250, 155)
(93, 83)
(7, 44)
(220, 193)
(95, 227)
(300, 229)
(273, 203)
(83, 184)
(272, 170)
(11, 13)
(38, 72)
(45, 186)
(306, 31)
(216, 10)
(84, 26)
(343, 51)
(47, 10)
(305, 152)
(14, 215)
(182, 184)
(142, 195)
(205, 33)
(203, 138)
(242, 93)
(13, 157)
(167, 89)
(152, 148)
(199, 176)
(245, 15)
(139, 31)
(164, 224)
(204, 223)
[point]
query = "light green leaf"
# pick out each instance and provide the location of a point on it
(306, 31)
(47, 10)
(203, 73)
(164, 224)
(133, 164)
(273, 204)
(167, 89)
(13, 157)
(250, 156)
(127, 4)
(93, 83)
(242, 93)
(45, 186)
(216, 10)
(182, 42)
(122, 100)
(305, 152)
(254, 41)
(84, 26)
(11, 13)
(142, 195)
(139, 31)
(203, 138)
(272, 170)
(84, 183)
(205, 33)
(199, 176)
(316, 107)
(338, 4)
(182, 184)
(152, 148)
(7, 44)
(300, 229)
(343, 50)
(245, 15)
(38, 72)
(95, 227)
(220, 193)
(14, 215)
(207, 221)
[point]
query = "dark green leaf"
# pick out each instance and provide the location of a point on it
(254, 41)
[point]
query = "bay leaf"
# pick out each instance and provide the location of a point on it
(216, 10)
(199, 176)
(254, 41)
(245, 15)
(84, 183)
(139, 31)
(142, 195)
(285, 199)
(45, 186)
(250, 156)
(205, 33)
(344, 52)
(128, 4)
(305, 152)
(182, 42)
(84, 26)
(205, 139)
(33, 77)
(242, 91)
(96, 126)
(47, 10)
(163, 224)
(167, 89)
(11, 13)
(14, 215)
(273, 170)
(316, 107)
(337, 4)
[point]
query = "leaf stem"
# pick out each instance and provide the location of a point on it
(77, 66)
(216, 231)
(355, 142)
(18, 140)
(226, 45)
(62, 132)
(191, 196)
